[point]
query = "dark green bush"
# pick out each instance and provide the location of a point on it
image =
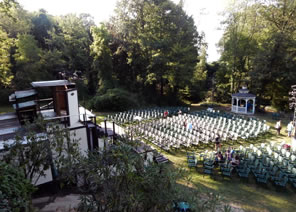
(83, 93)
(15, 189)
(4, 94)
(114, 100)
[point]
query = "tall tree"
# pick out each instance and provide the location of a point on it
(42, 24)
(72, 38)
(5, 65)
(102, 66)
(162, 44)
(27, 57)
(258, 48)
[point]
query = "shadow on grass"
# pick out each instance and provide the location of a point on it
(247, 194)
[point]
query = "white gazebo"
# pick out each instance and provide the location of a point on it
(243, 102)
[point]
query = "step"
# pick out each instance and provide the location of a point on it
(10, 130)
(6, 116)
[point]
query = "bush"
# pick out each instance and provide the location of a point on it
(4, 94)
(209, 104)
(15, 189)
(114, 100)
(83, 93)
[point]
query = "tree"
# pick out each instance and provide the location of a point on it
(6, 5)
(161, 44)
(71, 36)
(27, 58)
(198, 84)
(119, 179)
(258, 49)
(5, 65)
(44, 146)
(102, 67)
(15, 20)
(42, 25)
(15, 189)
(275, 62)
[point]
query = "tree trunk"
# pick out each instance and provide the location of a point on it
(161, 87)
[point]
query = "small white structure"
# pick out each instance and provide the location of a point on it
(243, 102)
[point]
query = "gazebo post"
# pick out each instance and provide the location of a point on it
(246, 105)
(254, 99)
(232, 104)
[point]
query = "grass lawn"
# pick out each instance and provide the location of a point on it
(5, 109)
(239, 193)
(247, 195)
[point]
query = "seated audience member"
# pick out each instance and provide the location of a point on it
(165, 114)
(220, 157)
(228, 155)
(235, 161)
(232, 152)
(185, 124)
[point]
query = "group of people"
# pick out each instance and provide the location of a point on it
(290, 128)
(166, 113)
(229, 157)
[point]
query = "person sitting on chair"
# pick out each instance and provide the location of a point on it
(165, 114)
(235, 161)
(220, 157)
(228, 155)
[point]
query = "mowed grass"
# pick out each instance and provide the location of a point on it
(239, 193)
(6, 109)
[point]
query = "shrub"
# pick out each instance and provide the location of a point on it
(114, 100)
(4, 94)
(15, 189)
(83, 93)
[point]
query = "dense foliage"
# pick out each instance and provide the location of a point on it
(15, 189)
(47, 147)
(152, 48)
(114, 100)
(259, 50)
(148, 47)
(119, 179)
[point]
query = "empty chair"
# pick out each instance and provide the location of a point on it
(281, 182)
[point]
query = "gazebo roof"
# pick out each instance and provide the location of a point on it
(244, 93)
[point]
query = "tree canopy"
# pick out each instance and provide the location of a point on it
(151, 48)
(258, 49)
(148, 47)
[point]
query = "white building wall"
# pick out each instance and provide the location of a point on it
(73, 107)
(81, 135)
(43, 179)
